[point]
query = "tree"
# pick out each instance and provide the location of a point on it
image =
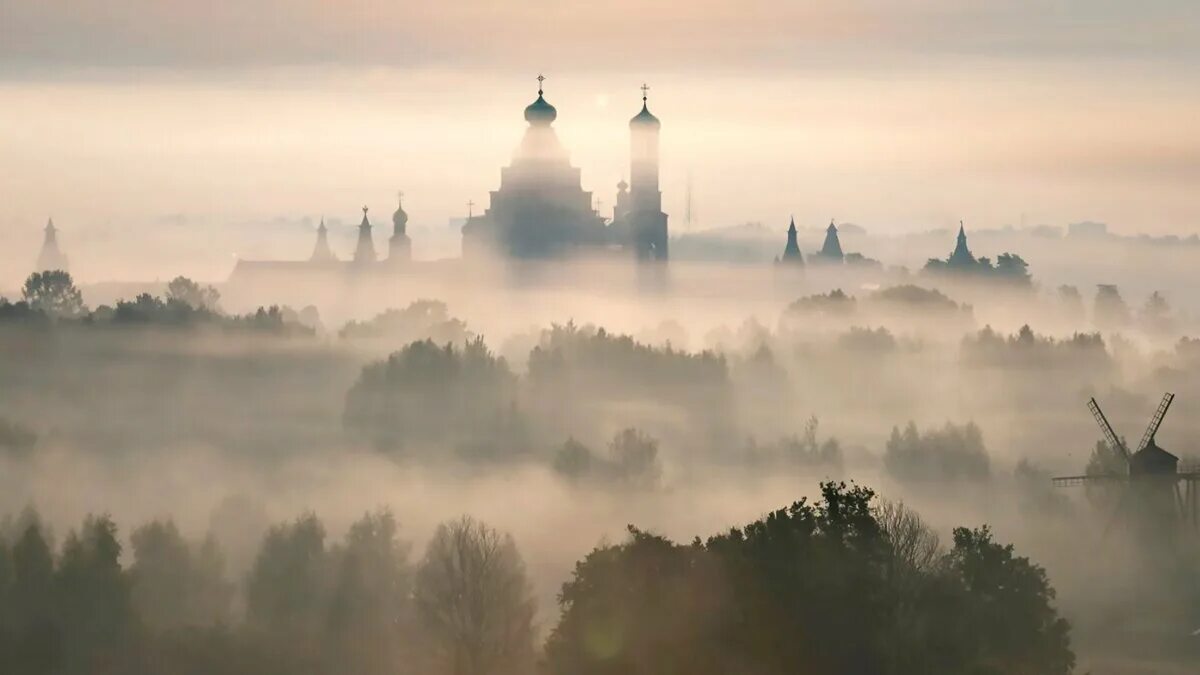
(54, 293)
(1008, 609)
(286, 588)
(1109, 309)
(952, 453)
(369, 604)
(30, 610)
(635, 459)
(1156, 313)
(93, 594)
(174, 583)
(427, 394)
(1012, 267)
(473, 601)
(188, 292)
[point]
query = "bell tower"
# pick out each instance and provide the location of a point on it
(649, 223)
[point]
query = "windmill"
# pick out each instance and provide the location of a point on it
(1152, 481)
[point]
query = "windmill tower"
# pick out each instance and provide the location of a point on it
(1154, 488)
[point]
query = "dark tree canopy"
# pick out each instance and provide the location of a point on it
(427, 394)
(834, 586)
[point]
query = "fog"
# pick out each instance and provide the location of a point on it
(221, 451)
(227, 432)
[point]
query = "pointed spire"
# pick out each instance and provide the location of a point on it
(321, 252)
(962, 256)
(51, 257)
(791, 252)
(831, 250)
(364, 253)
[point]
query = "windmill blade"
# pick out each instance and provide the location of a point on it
(1156, 420)
(1109, 435)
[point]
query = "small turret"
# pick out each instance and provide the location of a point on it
(399, 246)
(364, 252)
(321, 252)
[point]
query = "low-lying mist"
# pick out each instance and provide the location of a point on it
(560, 405)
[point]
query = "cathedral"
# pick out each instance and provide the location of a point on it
(541, 210)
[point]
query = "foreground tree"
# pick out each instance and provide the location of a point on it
(473, 602)
(838, 585)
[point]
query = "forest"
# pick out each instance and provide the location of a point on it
(861, 483)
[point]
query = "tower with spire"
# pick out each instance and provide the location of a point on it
(364, 252)
(791, 252)
(831, 250)
(399, 246)
(321, 252)
(51, 257)
(648, 223)
(962, 256)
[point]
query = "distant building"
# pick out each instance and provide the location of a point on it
(1009, 267)
(321, 252)
(364, 251)
(324, 262)
(50, 257)
(399, 246)
(1087, 229)
(791, 252)
(961, 257)
(541, 210)
(831, 250)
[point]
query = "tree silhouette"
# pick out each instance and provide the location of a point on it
(473, 602)
(188, 292)
(174, 583)
(54, 293)
(286, 587)
(93, 594)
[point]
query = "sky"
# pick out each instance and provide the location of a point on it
(243, 122)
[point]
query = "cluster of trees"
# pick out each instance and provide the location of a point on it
(359, 605)
(845, 584)
(949, 454)
(1111, 312)
(469, 398)
(429, 394)
(421, 320)
(591, 362)
(631, 462)
(904, 302)
(52, 296)
(805, 451)
(1026, 349)
(841, 585)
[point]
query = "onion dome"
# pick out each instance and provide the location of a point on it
(645, 117)
(622, 186)
(400, 218)
(540, 113)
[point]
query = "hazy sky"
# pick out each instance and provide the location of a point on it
(223, 115)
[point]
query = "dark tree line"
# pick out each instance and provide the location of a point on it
(51, 298)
